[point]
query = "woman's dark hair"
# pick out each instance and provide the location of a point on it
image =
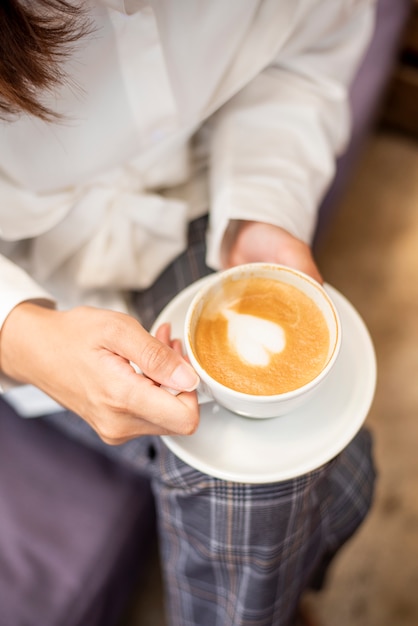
(35, 39)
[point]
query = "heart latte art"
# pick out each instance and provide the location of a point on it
(253, 338)
(261, 336)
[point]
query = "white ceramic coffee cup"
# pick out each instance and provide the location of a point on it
(263, 406)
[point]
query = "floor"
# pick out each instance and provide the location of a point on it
(370, 253)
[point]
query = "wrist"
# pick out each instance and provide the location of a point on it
(21, 338)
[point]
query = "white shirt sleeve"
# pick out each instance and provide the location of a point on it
(17, 287)
(273, 146)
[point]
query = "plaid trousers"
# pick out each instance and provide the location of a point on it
(239, 554)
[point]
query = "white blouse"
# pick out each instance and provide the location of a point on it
(173, 108)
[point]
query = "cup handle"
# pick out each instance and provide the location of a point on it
(202, 396)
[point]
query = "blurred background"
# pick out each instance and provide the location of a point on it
(369, 251)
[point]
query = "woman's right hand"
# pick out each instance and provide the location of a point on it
(82, 358)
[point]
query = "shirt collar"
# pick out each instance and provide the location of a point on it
(125, 6)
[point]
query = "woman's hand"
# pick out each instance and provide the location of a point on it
(257, 241)
(82, 358)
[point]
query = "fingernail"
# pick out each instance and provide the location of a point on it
(184, 377)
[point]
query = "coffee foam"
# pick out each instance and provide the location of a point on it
(261, 336)
(254, 339)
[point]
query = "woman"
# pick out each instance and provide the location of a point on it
(128, 127)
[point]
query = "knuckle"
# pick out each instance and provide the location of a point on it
(110, 441)
(113, 431)
(110, 430)
(155, 356)
(113, 326)
(108, 434)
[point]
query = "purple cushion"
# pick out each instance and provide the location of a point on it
(73, 528)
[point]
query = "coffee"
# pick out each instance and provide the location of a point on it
(260, 336)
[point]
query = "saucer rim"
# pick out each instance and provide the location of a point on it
(174, 443)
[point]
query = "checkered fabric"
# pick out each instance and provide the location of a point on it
(239, 554)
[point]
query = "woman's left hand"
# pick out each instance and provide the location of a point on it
(258, 241)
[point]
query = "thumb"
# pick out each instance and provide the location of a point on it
(166, 366)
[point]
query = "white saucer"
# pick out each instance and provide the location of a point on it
(231, 447)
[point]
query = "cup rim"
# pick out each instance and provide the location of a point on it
(241, 395)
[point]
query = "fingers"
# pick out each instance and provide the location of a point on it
(164, 365)
(154, 357)
(144, 407)
(300, 257)
(163, 333)
(132, 405)
(139, 404)
(136, 428)
(257, 241)
(114, 432)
